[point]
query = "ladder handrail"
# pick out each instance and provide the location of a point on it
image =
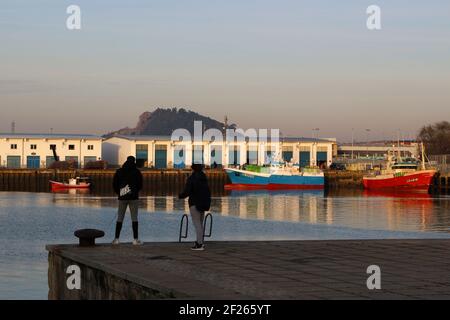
(186, 230)
(181, 227)
(210, 225)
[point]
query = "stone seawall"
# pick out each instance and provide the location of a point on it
(96, 282)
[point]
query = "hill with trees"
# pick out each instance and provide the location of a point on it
(165, 121)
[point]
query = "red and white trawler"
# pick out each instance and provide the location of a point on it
(407, 173)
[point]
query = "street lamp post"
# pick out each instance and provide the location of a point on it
(352, 141)
(367, 141)
(315, 135)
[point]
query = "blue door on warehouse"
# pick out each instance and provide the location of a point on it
(73, 159)
(179, 157)
(304, 157)
(33, 162)
(88, 159)
(321, 158)
(197, 154)
(252, 156)
(141, 155)
(287, 156)
(160, 156)
(13, 162)
(269, 156)
(234, 156)
(48, 161)
(216, 156)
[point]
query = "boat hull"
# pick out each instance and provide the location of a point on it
(415, 180)
(60, 186)
(246, 179)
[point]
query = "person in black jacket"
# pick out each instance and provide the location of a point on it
(127, 183)
(197, 190)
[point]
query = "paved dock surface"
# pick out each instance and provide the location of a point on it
(410, 269)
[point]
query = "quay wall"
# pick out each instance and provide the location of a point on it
(162, 182)
(157, 182)
(97, 283)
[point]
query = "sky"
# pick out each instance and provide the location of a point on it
(292, 65)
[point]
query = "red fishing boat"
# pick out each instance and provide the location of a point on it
(408, 173)
(75, 183)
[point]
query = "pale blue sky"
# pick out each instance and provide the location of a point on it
(293, 65)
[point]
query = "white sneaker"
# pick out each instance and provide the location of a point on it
(115, 242)
(137, 242)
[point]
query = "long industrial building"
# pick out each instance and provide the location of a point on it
(162, 152)
(34, 151)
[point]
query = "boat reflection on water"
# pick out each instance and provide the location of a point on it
(274, 192)
(421, 194)
(72, 191)
(406, 196)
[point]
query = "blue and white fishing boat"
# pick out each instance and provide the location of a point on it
(276, 176)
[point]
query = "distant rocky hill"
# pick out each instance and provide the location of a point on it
(165, 121)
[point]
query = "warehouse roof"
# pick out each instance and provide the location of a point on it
(168, 138)
(48, 136)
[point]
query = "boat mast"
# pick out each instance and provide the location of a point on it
(423, 155)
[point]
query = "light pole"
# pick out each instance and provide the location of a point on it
(367, 141)
(352, 141)
(315, 135)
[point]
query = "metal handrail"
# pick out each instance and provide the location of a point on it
(205, 220)
(181, 227)
(210, 225)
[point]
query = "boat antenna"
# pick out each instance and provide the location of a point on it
(423, 155)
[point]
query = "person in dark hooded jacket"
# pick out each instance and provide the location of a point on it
(127, 183)
(197, 190)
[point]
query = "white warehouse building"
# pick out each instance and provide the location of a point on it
(34, 151)
(161, 152)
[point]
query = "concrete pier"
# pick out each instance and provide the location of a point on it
(410, 269)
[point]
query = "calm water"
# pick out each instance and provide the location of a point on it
(29, 221)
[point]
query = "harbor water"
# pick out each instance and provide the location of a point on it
(29, 221)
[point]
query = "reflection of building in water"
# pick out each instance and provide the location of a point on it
(150, 204)
(329, 210)
(260, 207)
(312, 209)
(82, 201)
(292, 208)
(225, 206)
(277, 206)
(252, 206)
(169, 204)
(160, 203)
(243, 207)
(284, 207)
(166, 204)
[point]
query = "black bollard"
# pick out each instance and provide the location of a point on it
(87, 236)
